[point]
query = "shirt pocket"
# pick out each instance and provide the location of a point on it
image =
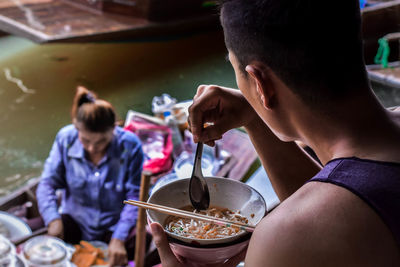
(113, 194)
(77, 189)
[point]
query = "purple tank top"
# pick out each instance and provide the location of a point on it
(375, 182)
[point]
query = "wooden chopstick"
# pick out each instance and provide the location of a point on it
(190, 215)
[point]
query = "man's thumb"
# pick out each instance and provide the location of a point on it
(159, 236)
(160, 240)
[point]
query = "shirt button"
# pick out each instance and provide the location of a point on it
(97, 174)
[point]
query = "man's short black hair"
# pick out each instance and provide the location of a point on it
(313, 46)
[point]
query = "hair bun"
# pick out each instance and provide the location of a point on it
(90, 97)
(86, 97)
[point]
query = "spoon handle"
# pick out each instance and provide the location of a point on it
(197, 160)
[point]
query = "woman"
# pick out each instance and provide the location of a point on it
(98, 165)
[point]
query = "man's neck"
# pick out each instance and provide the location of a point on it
(357, 128)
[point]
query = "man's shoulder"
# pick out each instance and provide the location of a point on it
(356, 173)
(321, 225)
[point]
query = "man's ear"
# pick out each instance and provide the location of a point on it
(265, 87)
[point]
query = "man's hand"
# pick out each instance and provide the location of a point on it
(168, 259)
(56, 228)
(226, 108)
(117, 253)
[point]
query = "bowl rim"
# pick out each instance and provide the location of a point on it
(197, 242)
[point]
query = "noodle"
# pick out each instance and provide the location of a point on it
(205, 230)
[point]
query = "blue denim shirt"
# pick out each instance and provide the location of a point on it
(93, 195)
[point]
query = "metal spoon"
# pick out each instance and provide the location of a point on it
(198, 189)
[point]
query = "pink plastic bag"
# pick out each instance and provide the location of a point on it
(156, 143)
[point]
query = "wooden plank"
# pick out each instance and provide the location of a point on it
(5, 3)
(55, 20)
(381, 19)
(243, 153)
(377, 21)
(140, 243)
(387, 77)
(20, 196)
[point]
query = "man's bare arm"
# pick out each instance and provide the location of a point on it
(288, 166)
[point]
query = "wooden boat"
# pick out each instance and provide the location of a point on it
(22, 202)
(45, 21)
(386, 74)
(382, 20)
(377, 21)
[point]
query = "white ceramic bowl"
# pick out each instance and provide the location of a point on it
(224, 192)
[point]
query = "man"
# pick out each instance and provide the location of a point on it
(301, 75)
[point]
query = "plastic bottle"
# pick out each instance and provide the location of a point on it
(176, 134)
(162, 103)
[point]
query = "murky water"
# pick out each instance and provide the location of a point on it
(37, 83)
(126, 74)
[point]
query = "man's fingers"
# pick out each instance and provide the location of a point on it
(200, 90)
(210, 143)
(212, 133)
(195, 121)
(167, 257)
(236, 259)
(205, 101)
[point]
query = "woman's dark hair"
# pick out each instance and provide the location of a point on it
(93, 114)
(314, 46)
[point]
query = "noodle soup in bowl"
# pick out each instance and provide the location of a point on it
(225, 194)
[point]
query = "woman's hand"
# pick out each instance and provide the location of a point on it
(56, 228)
(117, 253)
(168, 259)
(226, 108)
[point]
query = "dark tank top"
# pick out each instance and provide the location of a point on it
(375, 182)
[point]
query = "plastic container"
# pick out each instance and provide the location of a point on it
(45, 251)
(166, 179)
(181, 116)
(161, 104)
(7, 252)
(183, 166)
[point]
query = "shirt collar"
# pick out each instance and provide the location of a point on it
(113, 149)
(76, 149)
